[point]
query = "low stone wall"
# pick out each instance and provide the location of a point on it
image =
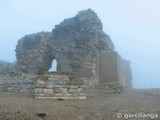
(7, 67)
(60, 86)
(17, 82)
(54, 86)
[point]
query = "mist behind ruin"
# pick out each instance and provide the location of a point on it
(134, 33)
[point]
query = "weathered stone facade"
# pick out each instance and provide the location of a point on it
(58, 86)
(114, 70)
(74, 43)
(80, 47)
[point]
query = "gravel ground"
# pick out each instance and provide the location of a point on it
(99, 106)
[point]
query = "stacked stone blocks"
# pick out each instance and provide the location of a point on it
(60, 86)
(17, 82)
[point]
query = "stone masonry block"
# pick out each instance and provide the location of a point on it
(58, 95)
(74, 86)
(72, 90)
(39, 86)
(60, 82)
(75, 94)
(81, 90)
(60, 90)
(59, 86)
(48, 86)
(50, 82)
(53, 78)
(65, 78)
(50, 91)
(83, 94)
(41, 82)
(50, 78)
(67, 95)
(84, 86)
(37, 90)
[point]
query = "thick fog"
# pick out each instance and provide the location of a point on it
(133, 25)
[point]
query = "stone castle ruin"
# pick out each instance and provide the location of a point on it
(85, 57)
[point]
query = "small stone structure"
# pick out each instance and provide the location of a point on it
(60, 86)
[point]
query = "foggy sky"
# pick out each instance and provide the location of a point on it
(133, 25)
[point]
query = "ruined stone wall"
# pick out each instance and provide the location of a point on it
(48, 86)
(33, 55)
(114, 70)
(60, 86)
(74, 43)
(17, 82)
(108, 67)
(124, 72)
(80, 46)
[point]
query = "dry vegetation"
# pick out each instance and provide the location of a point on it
(99, 106)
